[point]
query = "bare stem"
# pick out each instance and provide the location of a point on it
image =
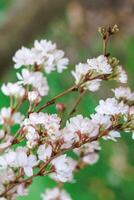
(52, 101)
(105, 43)
(77, 102)
(73, 88)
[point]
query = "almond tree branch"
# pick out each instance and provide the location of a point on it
(87, 140)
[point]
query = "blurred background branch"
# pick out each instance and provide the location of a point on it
(24, 21)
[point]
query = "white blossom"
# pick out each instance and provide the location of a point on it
(7, 159)
(51, 57)
(32, 136)
(43, 53)
(24, 56)
(5, 145)
(100, 65)
(121, 75)
(123, 93)
(112, 135)
(50, 123)
(7, 175)
(52, 126)
(82, 125)
(54, 194)
(13, 89)
(111, 107)
(34, 97)
(69, 138)
(44, 152)
(88, 152)
(26, 162)
(102, 120)
(91, 159)
(93, 85)
(36, 79)
(21, 190)
(96, 66)
(64, 168)
(7, 117)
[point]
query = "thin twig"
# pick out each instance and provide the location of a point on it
(77, 102)
(52, 101)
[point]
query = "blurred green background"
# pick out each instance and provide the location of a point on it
(73, 26)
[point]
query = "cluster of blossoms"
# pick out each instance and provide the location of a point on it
(42, 141)
(90, 74)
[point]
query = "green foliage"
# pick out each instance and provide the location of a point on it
(4, 4)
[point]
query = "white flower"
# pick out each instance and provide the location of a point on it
(6, 117)
(89, 152)
(60, 61)
(50, 123)
(111, 107)
(123, 93)
(64, 168)
(91, 159)
(103, 120)
(25, 161)
(5, 145)
(43, 53)
(80, 71)
(24, 56)
(121, 74)
(44, 47)
(82, 125)
(112, 135)
(21, 190)
(32, 136)
(52, 126)
(100, 65)
(7, 159)
(36, 79)
(5, 113)
(17, 118)
(31, 133)
(13, 89)
(34, 97)
(69, 138)
(52, 58)
(7, 175)
(97, 66)
(55, 194)
(88, 148)
(44, 152)
(93, 85)
(36, 118)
